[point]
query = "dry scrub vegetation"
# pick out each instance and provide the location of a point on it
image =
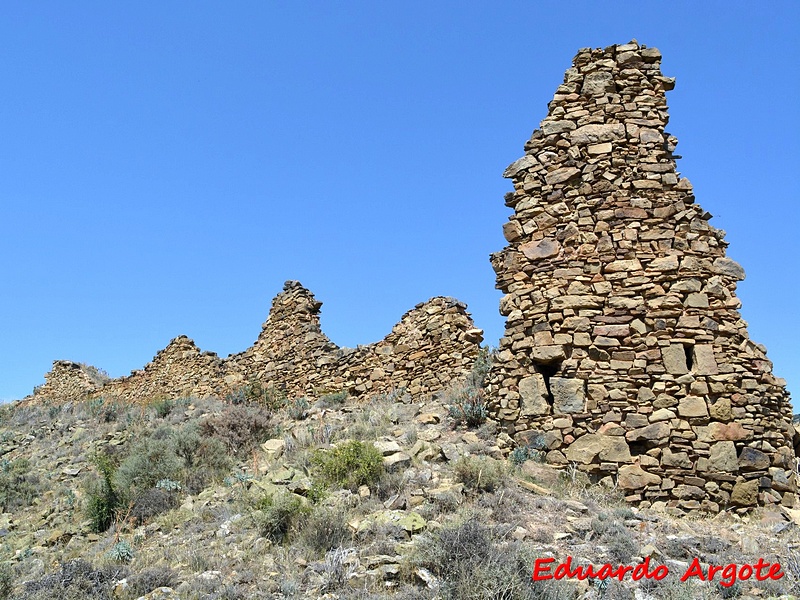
(261, 496)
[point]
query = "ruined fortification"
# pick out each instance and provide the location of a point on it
(433, 344)
(624, 352)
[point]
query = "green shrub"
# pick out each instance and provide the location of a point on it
(254, 392)
(350, 465)
(102, 502)
(278, 514)
(334, 399)
(467, 406)
(480, 473)
(150, 460)
(467, 403)
(121, 552)
(162, 407)
(297, 409)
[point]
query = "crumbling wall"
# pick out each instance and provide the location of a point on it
(69, 381)
(179, 370)
(624, 351)
(433, 344)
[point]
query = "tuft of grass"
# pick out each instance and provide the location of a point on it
(325, 529)
(467, 403)
(480, 473)
(472, 562)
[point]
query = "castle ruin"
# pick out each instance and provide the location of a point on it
(624, 351)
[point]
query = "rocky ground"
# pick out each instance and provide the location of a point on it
(257, 496)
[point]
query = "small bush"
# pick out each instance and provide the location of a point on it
(254, 392)
(325, 529)
(18, 487)
(297, 409)
(467, 402)
(148, 580)
(153, 502)
(470, 561)
(6, 581)
(240, 428)
(277, 515)
(121, 552)
(350, 465)
(480, 473)
(334, 399)
(75, 580)
(104, 410)
(102, 502)
(150, 460)
(617, 538)
(162, 407)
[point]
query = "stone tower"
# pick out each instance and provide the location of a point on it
(624, 352)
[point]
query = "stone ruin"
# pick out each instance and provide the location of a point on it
(624, 352)
(432, 345)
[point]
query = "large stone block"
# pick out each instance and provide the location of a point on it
(692, 406)
(569, 395)
(674, 359)
(533, 392)
(605, 448)
(723, 457)
(634, 477)
(704, 361)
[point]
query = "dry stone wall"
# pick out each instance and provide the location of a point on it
(432, 345)
(624, 351)
(69, 381)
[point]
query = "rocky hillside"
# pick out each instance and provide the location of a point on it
(261, 496)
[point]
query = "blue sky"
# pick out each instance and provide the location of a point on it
(165, 167)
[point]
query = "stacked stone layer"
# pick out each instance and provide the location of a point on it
(624, 351)
(432, 345)
(70, 381)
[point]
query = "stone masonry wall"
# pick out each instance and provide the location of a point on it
(433, 344)
(69, 381)
(624, 351)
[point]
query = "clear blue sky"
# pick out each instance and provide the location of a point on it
(166, 166)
